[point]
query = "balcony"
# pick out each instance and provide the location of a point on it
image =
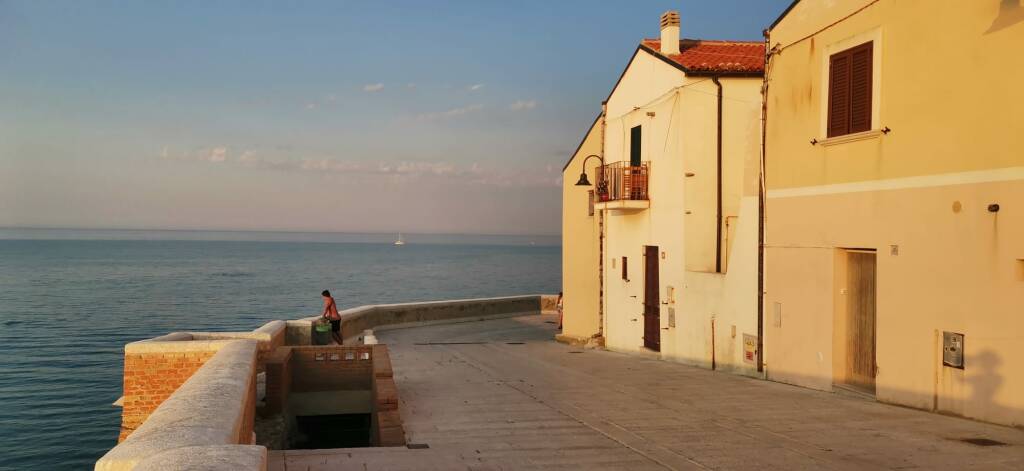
(622, 187)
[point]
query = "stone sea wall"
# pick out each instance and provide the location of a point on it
(190, 397)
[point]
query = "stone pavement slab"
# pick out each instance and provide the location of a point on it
(501, 395)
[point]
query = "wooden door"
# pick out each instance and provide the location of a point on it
(860, 320)
(652, 300)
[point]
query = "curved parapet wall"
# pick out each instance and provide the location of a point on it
(190, 397)
(393, 316)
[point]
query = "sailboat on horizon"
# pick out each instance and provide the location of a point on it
(400, 241)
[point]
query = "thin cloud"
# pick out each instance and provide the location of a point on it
(396, 171)
(476, 87)
(373, 87)
(450, 113)
(214, 155)
(522, 105)
(410, 85)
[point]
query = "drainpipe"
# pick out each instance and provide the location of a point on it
(761, 182)
(600, 242)
(718, 213)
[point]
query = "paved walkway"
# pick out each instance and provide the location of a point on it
(501, 394)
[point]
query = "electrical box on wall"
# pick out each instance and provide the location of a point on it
(749, 349)
(953, 350)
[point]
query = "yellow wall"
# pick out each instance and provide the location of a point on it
(948, 82)
(580, 231)
(679, 138)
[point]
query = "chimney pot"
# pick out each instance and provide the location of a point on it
(670, 32)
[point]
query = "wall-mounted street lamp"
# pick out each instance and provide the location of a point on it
(584, 181)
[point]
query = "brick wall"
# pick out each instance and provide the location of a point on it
(386, 426)
(149, 378)
(330, 368)
(279, 380)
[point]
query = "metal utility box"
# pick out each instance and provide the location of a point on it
(953, 349)
(749, 349)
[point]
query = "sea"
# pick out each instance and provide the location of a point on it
(71, 299)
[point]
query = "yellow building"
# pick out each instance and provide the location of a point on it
(581, 245)
(676, 204)
(895, 202)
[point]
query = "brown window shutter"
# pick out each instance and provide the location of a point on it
(860, 88)
(839, 95)
(849, 90)
(625, 271)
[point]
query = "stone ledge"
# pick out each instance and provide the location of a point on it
(208, 458)
(269, 335)
(174, 346)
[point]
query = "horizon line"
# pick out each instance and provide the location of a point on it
(283, 231)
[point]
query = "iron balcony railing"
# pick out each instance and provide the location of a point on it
(620, 181)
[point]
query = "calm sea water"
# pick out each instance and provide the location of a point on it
(70, 300)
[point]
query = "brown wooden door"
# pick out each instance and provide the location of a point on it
(652, 301)
(860, 327)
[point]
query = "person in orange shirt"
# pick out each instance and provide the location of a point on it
(331, 313)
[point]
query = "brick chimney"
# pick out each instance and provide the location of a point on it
(670, 32)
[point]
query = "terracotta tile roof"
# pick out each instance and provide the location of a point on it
(715, 57)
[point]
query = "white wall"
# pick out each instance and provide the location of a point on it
(680, 137)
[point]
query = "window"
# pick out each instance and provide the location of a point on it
(849, 90)
(590, 203)
(634, 146)
(625, 271)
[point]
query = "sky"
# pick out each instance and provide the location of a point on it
(341, 116)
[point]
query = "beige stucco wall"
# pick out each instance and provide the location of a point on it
(956, 141)
(580, 244)
(950, 80)
(679, 138)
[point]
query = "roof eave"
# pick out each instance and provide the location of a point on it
(783, 15)
(694, 73)
(582, 141)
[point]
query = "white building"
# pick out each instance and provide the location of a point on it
(678, 189)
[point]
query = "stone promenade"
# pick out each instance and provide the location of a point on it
(501, 395)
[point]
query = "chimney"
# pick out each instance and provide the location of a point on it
(670, 32)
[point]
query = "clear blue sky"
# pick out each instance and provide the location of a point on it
(328, 116)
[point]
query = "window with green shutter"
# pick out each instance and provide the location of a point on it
(634, 146)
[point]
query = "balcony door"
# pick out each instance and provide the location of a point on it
(652, 301)
(635, 151)
(634, 177)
